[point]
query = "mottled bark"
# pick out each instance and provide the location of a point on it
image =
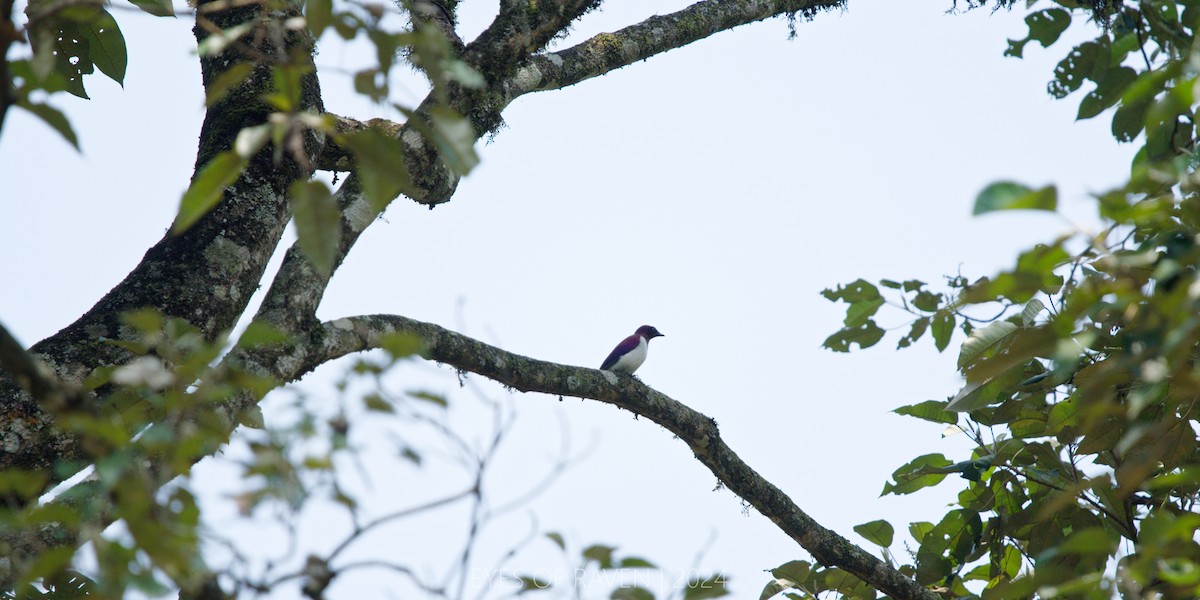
(204, 276)
(207, 274)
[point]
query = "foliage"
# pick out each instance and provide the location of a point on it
(1081, 397)
(1078, 362)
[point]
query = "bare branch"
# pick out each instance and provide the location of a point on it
(609, 51)
(698, 431)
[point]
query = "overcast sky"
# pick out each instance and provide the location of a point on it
(712, 192)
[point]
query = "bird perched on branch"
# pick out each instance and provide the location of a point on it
(631, 352)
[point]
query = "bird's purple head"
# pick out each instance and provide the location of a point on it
(648, 332)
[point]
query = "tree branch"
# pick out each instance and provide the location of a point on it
(699, 432)
(609, 51)
(205, 275)
(35, 377)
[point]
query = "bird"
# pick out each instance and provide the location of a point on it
(631, 352)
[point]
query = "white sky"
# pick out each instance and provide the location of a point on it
(711, 192)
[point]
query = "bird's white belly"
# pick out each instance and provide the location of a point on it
(633, 359)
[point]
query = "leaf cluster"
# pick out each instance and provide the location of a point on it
(1080, 383)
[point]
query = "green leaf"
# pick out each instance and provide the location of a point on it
(634, 592)
(773, 588)
(635, 562)
(259, 334)
(207, 189)
(712, 586)
(929, 410)
(599, 554)
(49, 562)
(379, 160)
(1033, 308)
(401, 345)
(796, 571)
(106, 45)
(318, 14)
(942, 328)
(54, 118)
(1108, 91)
(921, 472)
(878, 532)
(1129, 120)
(464, 74)
(977, 394)
(431, 398)
(455, 139)
(919, 529)
(1047, 25)
(1080, 64)
(557, 538)
(856, 291)
(866, 335)
(318, 223)
(983, 339)
(216, 43)
(531, 584)
(232, 77)
(1007, 195)
(1091, 541)
(158, 8)
(914, 333)
(858, 313)
(947, 545)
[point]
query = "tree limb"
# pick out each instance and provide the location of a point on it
(609, 51)
(35, 377)
(699, 432)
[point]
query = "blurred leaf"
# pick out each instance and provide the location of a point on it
(557, 538)
(634, 562)
(599, 554)
(1033, 308)
(929, 410)
(531, 584)
(227, 80)
(1045, 26)
(376, 403)
(259, 334)
(983, 339)
(631, 593)
(318, 14)
(207, 189)
(866, 335)
(55, 119)
(1108, 91)
(216, 43)
(455, 139)
(942, 328)
(712, 586)
(914, 333)
(856, 291)
(1007, 195)
(400, 345)
(1078, 66)
(158, 8)
(379, 160)
(318, 223)
(429, 397)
